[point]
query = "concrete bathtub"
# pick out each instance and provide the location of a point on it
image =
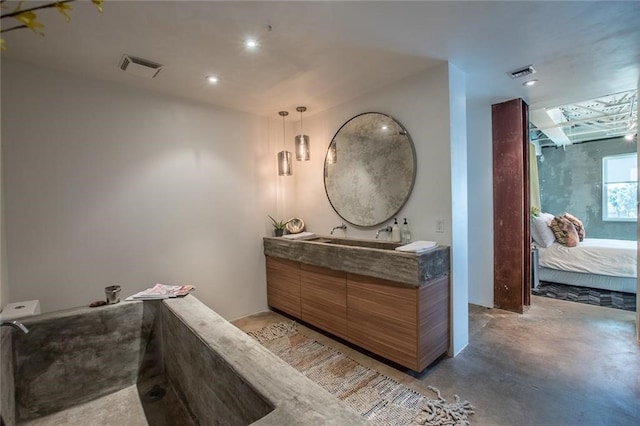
(180, 362)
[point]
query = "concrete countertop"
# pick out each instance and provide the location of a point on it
(379, 261)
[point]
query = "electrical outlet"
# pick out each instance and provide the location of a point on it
(440, 225)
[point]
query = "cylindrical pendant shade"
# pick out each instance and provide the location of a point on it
(302, 140)
(302, 147)
(284, 163)
(284, 156)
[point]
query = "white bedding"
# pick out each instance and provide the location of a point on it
(618, 258)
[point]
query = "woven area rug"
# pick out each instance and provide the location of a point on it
(590, 296)
(376, 397)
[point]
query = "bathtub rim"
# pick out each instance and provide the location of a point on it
(295, 398)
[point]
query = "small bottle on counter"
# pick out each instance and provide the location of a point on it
(395, 231)
(405, 233)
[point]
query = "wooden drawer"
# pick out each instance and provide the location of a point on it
(283, 285)
(382, 318)
(323, 298)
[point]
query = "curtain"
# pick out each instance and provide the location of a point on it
(534, 183)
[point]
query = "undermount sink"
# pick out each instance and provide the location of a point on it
(364, 257)
(374, 244)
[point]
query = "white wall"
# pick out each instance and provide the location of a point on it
(459, 208)
(109, 185)
(481, 94)
(480, 187)
(105, 184)
(423, 105)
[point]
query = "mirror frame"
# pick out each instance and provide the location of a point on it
(413, 178)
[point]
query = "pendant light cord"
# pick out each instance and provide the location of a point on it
(301, 131)
(301, 109)
(283, 114)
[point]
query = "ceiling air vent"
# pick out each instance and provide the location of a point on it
(140, 67)
(522, 72)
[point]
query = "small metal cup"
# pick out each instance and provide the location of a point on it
(113, 294)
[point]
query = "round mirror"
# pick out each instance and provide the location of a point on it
(370, 169)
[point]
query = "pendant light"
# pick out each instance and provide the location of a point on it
(302, 140)
(284, 156)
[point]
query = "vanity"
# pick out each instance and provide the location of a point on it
(394, 304)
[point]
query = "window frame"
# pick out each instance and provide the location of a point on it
(605, 203)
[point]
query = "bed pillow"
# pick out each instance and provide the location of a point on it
(564, 231)
(540, 231)
(577, 223)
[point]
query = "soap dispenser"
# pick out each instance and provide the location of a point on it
(395, 231)
(405, 233)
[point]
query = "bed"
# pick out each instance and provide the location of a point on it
(596, 263)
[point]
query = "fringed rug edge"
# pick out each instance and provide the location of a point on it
(437, 412)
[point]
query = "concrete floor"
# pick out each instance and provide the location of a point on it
(561, 363)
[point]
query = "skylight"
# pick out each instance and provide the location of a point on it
(605, 117)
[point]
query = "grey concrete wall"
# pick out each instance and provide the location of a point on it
(221, 374)
(213, 391)
(571, 181)
(74, 356)
(7, 396)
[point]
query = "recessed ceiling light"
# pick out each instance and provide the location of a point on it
(212, 79)
(629, 137)
(530, 83)
(251, 43)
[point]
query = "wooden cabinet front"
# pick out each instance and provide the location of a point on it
(433, 321)
(405, 324)
(323, 298)
(283, 285)
(382, 318)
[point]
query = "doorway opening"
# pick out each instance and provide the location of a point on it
(584, 209)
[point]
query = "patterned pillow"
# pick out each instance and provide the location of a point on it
(564, 231)
(577, 223)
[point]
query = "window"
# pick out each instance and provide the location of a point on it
(620, 188)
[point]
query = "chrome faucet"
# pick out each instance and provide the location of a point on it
(15, 324)
(385, 229)
(343, 227)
